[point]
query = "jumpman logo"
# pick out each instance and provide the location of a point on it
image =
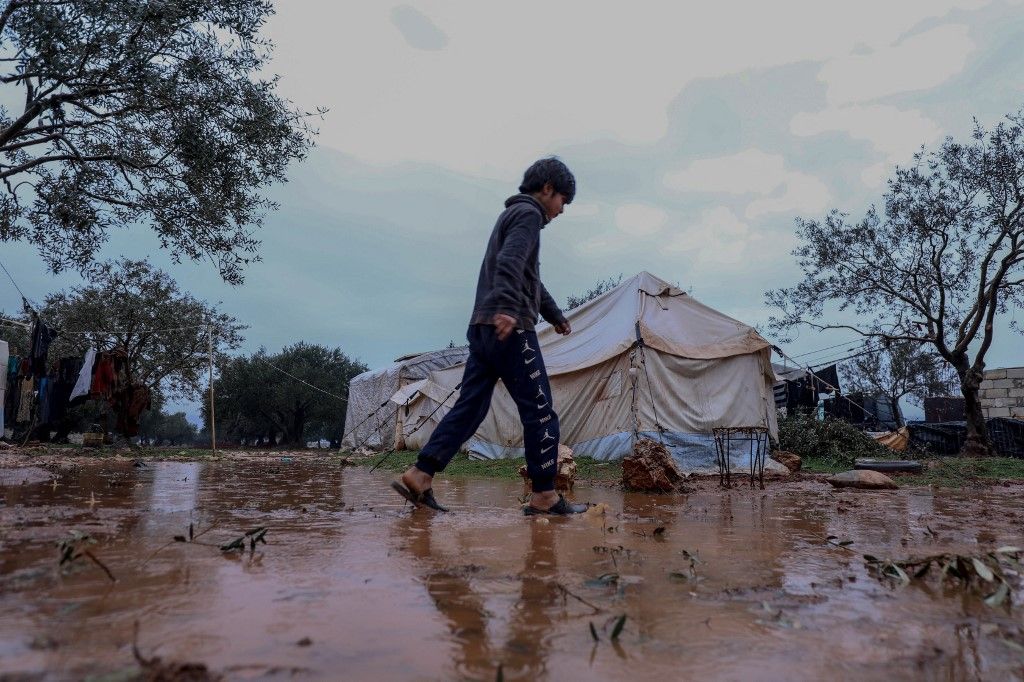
(540, 393)
(526, 346)
(547, 436)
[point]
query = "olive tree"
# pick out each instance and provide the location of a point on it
(936, 266)
(141, 113)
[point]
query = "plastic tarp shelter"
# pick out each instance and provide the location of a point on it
(371, 393)
(696, 369)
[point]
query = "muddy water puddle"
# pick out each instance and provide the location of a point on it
(352, 585)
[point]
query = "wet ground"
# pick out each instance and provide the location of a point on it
(351, 585)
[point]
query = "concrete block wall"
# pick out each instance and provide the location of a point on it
(1002, 393)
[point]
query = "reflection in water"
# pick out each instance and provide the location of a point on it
(450, 588)
(530, 631)
(383, 593)
(459, 593)
(175, 487)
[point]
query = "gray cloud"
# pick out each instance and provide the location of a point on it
(418, 29)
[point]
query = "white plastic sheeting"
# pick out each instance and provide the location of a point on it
(372, 391)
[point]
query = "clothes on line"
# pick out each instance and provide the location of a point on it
(84, 380)
(4, 359)
(42, 337)
(38, 393)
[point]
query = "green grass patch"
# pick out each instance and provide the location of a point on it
(960, 472)
(463, 466)
(941, 472)
(820, 465)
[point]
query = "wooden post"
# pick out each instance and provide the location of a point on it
(213, 416)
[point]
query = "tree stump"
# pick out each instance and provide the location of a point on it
(565, 478)
(651, 469)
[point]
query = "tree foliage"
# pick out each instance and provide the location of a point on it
(600, 287)
(274, 398)
(131, 304)
(141, 113)
(904, 368)
(937, 266)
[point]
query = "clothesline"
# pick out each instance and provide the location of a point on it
(113, 331)
(137, 331)
(16, 323)
(256, 357)
(823, 382)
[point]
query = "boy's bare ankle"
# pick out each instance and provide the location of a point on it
(543, 500)
(417, 480)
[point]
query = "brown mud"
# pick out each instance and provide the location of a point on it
(739, 584)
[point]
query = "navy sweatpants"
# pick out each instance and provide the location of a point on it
(518, 363)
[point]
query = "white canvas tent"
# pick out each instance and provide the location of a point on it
(371, 391)
(698, 369)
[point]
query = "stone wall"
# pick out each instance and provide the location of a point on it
(1002, 393)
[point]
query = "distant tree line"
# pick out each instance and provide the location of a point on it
(269, 398)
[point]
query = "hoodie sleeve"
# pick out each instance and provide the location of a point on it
(510, 263)
(549, 310)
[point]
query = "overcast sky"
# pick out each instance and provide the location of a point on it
(696, 136)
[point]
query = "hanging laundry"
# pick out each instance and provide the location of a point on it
(85, 379)
(42, 337)
(4, 357)
(129, 407)
(122, 377)
(26, 388)
(45, 389)
(103, 376)
(13, 391)
(67, 374)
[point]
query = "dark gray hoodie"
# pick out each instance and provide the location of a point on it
(509, 280)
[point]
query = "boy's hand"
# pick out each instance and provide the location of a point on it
(503, 325)
(564, 328)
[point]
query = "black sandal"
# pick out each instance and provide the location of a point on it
(560, 508)
(425, 498)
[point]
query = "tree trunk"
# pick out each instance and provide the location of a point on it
(977, 443)
(298, 427)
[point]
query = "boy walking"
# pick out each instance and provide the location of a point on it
(503, 345)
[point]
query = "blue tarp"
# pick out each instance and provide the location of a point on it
(692, 451)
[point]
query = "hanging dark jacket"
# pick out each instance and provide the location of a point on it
(509, 281)
(42, 337)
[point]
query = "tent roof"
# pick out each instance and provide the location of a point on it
(417, 365)
(667, 318)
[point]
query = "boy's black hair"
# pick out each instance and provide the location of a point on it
(549, 170)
